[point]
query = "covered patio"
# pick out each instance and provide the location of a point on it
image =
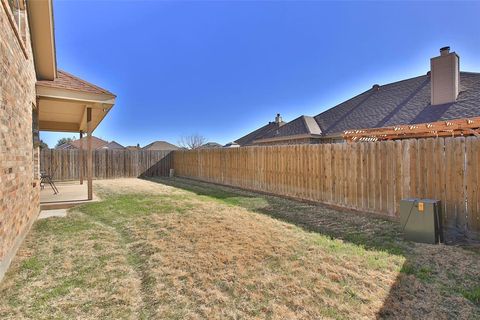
(70, 104)
(70, 193)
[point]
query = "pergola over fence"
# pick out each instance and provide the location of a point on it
(447, 128)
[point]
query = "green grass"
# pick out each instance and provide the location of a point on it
(31, 265)
(422, 273)
(472, 295)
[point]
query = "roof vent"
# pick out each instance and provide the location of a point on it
(376, 87)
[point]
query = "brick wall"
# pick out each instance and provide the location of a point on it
(19, 190)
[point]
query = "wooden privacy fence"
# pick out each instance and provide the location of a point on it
(371, 176)
(106, 163)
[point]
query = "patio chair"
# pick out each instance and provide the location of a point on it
(48, 178)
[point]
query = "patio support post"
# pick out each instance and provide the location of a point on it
(80, 158)
(89, 153)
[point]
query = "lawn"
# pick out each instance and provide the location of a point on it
(178, 249)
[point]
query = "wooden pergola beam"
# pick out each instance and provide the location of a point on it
(475, 133)
(435, 129)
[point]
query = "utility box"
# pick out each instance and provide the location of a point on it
(421, 220)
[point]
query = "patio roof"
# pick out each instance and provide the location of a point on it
(70, 104)
(63, 102)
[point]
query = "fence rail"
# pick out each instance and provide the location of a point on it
(371, 177)
(107, 164)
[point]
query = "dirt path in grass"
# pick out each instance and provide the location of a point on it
(177, 249)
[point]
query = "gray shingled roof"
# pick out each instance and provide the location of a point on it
(299, 126)
(397, 103)
(402, 102)
(259, 133)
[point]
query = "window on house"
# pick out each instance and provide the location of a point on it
(15, 7)
(18, 11)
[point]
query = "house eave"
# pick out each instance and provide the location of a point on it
(335, 135)
(74, 95)
(40, 18)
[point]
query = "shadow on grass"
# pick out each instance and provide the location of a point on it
(361, 229)
(429, 285)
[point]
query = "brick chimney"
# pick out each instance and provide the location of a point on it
(445, 77)
(278, 118)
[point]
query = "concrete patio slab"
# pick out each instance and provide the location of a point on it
(52, 213)
(70, 194)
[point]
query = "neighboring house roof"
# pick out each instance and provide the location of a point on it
(210, 145)
(132, 148)
(64, 146)
(65, 80)
(97, 143)
(160, 145)
(400, 103)
(231, 145)
(302, 125)
(113, 145)
(259, 133)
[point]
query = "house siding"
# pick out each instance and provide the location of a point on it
(288, 142)
(301, 141)
(19, 188)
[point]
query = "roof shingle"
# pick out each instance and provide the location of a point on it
(65, 80)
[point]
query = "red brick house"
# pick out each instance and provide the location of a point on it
(34, 96)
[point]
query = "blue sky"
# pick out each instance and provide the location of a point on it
(223, 68)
